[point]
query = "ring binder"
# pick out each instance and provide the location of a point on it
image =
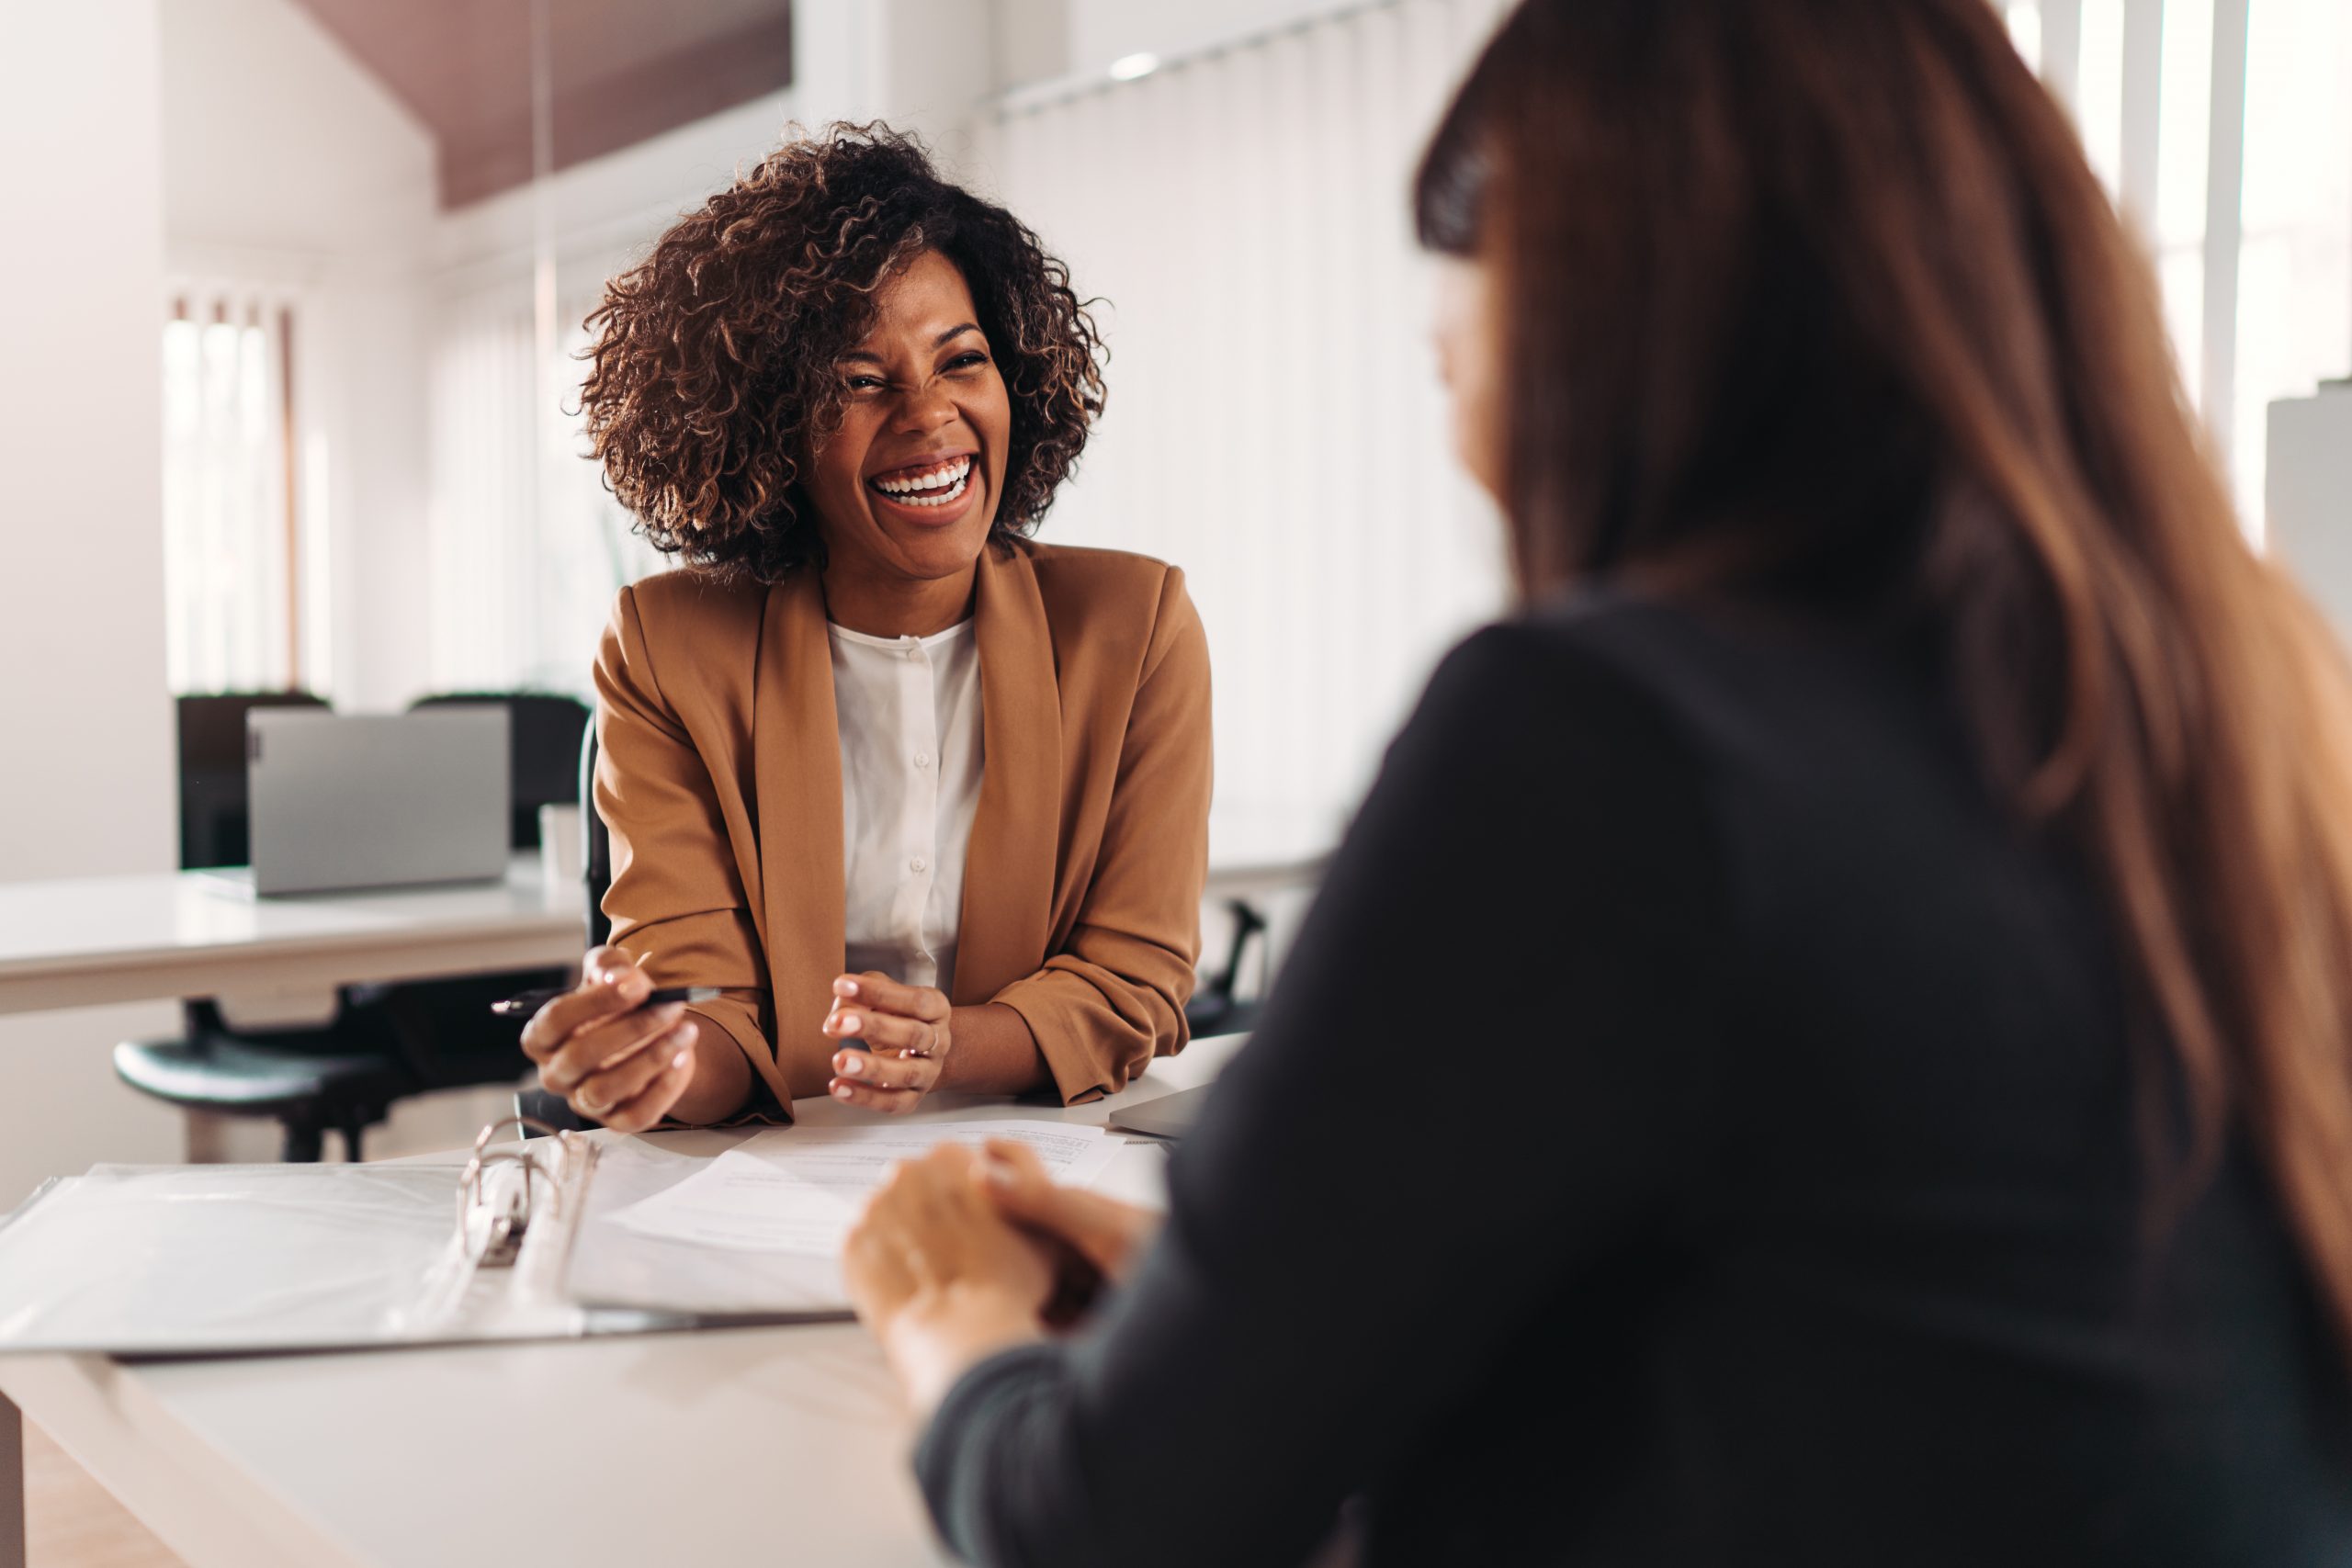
(501, 1229)
(552, 1240)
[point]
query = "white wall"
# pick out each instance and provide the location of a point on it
(277, 138)
(923, 65)
(1101, 32)
(286, 161)
(601, 211)
(87, 785)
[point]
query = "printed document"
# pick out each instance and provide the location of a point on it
(799, 1192)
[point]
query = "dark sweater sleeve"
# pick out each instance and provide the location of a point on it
(1487, 1067)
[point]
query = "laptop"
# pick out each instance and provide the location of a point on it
(338, 801)
(1162, 1116)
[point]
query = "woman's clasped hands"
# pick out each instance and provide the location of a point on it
(897, 1040)
(966, 1252)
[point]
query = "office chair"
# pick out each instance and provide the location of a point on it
(214, 827)
(1218, 1008)
(340, 1076)
(447, 1024)
(544, 731)
(385, 1042)
(596, 877)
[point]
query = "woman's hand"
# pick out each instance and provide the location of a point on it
(903, 1035)
(1103, 1234)
(610, 1059)
(939, 1276)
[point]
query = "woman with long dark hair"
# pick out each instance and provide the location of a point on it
(1899, 860)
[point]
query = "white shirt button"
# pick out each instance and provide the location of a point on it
(917, 864)
(922, 759)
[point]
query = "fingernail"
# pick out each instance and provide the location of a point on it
(610, 976)
(1000, 1174)
(844, 987)
(849, 1024)
(683, 1057)
(840, 1091)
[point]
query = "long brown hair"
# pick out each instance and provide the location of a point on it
(1823, 292)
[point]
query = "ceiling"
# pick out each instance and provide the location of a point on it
(622, 69)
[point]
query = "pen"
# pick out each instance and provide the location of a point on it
(530, 1002)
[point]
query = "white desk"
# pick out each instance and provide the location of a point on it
(85, 941)
(748, 1445)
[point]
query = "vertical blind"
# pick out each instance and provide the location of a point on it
(2223, 128)
(526, 546)
(1274, 422)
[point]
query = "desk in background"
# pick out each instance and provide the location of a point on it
(734, 1446)
(85, 941)
(82, 941)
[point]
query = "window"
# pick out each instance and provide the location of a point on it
(233, 552)
(2224, 129)
(2293, 309)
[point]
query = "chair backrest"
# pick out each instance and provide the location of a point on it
(596, 856)
(544, 739)
(215, 827)
(540, 1104)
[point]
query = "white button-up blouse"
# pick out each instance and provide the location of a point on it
(909, 713)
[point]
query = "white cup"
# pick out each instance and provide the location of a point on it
(563, 858)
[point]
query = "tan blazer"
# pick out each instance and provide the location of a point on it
(720, 777)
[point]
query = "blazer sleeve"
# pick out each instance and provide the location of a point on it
(676, 900)
(1113, 997)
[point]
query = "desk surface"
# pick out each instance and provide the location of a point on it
(85, 941)
(754, 1445)
(112, 939)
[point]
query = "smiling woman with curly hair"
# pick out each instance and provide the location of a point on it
(924, 802)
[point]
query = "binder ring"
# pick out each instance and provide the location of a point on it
(505, 1231)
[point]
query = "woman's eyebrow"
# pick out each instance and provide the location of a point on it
(942, 341)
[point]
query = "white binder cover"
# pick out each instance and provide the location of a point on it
(192, 1260)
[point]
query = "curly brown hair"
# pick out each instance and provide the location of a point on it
(713, 377)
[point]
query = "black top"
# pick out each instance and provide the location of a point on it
(1695, 1126)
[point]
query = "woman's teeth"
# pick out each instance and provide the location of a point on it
(935, 487)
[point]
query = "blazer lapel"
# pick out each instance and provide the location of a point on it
(1009, 869)
(799, 781)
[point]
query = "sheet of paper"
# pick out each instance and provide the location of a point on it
(798, 1191)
